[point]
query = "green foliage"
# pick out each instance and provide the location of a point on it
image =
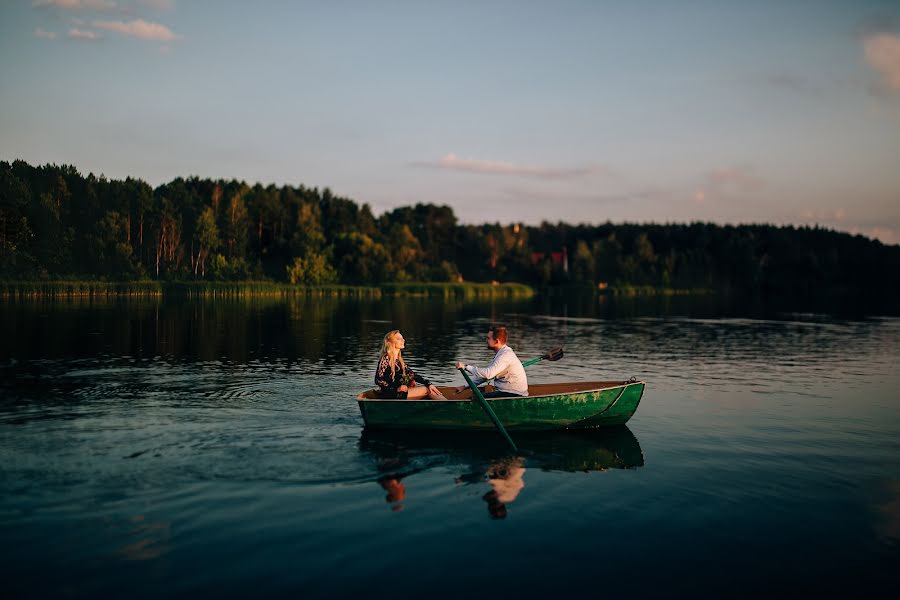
(207, 239)
(225, 269)
(311, 269)
(360, 259)
(236, 225)
(308, 234)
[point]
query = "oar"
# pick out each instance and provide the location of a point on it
(476, 394)
(555, 354)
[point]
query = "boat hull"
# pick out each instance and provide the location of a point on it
(609, 403)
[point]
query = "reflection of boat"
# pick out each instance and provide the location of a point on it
(408, 452)
(484, 459)
(549, 406)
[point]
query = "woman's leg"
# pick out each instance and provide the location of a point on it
(420, 392)
(417, 393)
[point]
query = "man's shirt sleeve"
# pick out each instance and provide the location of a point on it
(497, 366)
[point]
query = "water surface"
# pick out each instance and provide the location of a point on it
(169, 448)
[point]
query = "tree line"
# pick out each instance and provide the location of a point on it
(56, 223)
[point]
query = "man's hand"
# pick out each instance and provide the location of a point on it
(402, 388)
(460, 365)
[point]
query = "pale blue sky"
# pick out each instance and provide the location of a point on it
(780, 112)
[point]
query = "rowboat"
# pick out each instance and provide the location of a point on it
(549, 406)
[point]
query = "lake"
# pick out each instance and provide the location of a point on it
(168, 448)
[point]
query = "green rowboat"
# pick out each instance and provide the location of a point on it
(549, 406)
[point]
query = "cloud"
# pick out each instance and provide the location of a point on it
(726, 183)
(139, 28)
(494, 167)
(883, 54)
(77, 4)
(837, 216)
(47, 35)
(81, 34)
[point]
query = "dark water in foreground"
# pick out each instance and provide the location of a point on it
(167, 449)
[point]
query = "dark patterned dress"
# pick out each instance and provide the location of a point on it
(388, 384)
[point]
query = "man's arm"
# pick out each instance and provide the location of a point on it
(496, 366)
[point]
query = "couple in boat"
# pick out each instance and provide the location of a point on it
(396, 380)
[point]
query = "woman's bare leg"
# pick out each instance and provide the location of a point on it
(417, 393)
(421, 392)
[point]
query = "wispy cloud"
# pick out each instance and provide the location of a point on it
(47, 35)
(139, 28)
(836, 216)
(77, 4)
(495, 167)
(81, 34)
(726, 183)
(883, 54)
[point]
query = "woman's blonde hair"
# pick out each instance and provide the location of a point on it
(386, 347)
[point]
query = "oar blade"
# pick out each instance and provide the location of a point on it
(555, 354)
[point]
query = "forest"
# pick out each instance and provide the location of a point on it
(56, 224)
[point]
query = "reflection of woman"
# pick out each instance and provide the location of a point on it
(394, 378)
(396, 491)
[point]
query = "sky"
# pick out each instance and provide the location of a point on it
(784, 112)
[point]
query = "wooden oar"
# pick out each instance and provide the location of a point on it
(476, 394)
(555, 354)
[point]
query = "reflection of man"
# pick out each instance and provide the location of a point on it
(506, 480)
(505, 369)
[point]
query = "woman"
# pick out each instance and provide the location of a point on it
(396, 379)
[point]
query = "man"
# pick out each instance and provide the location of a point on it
(506, 369)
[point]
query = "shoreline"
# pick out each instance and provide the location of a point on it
(35, 290)
(24, 290)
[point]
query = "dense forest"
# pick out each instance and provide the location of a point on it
(58, 224)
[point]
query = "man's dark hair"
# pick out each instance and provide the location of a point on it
(499, 332)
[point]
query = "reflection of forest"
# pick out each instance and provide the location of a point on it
(298, 328)
(327, 331)
(483, 460)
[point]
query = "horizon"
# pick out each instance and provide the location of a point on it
(582, 113)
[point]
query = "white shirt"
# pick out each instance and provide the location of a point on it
(506, 370)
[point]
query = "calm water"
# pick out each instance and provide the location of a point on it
(160, 449)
